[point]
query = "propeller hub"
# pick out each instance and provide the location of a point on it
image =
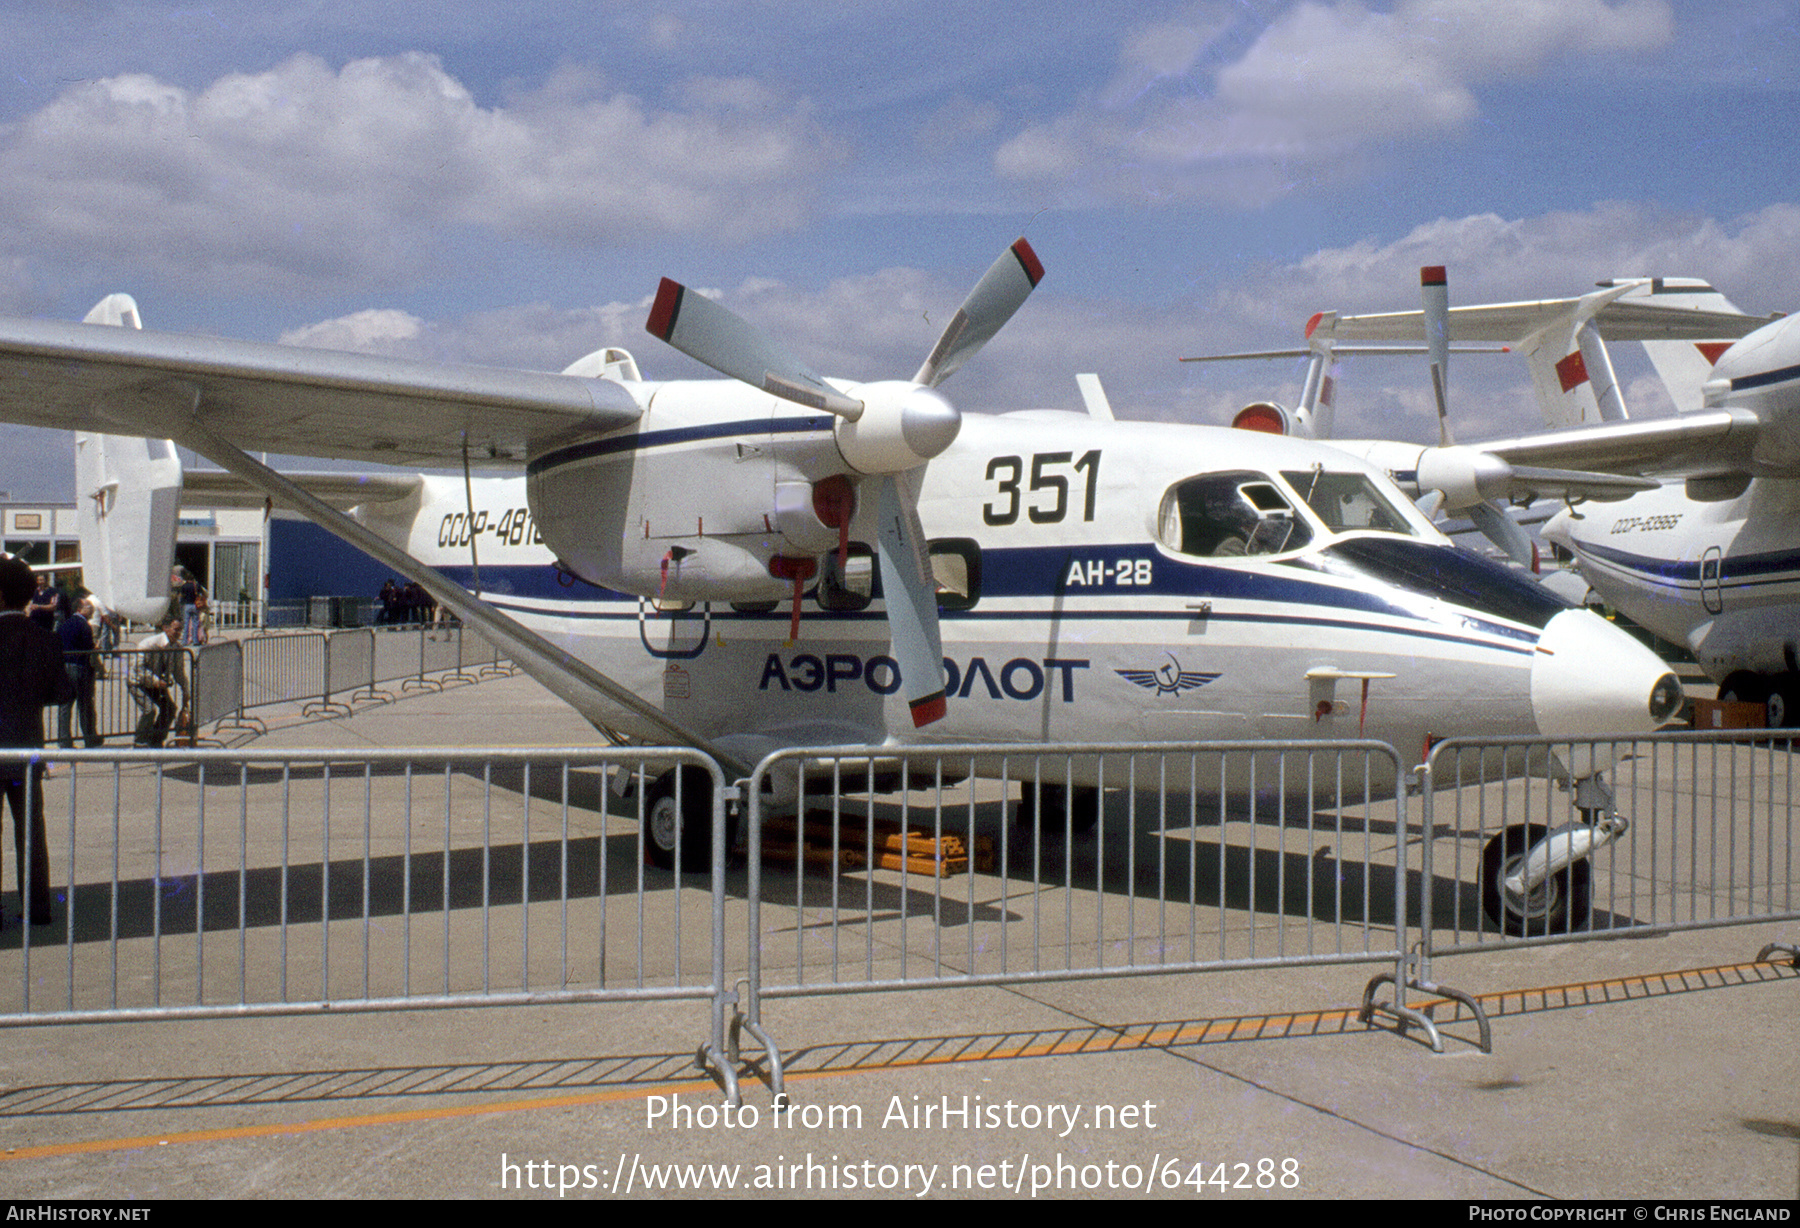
(903, 425)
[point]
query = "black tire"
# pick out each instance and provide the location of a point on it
(1560, 906)
(1081, 815)
(695, 822)
(1784, 702)
(1744, 687)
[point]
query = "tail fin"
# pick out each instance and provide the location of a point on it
(1571, 370)
(1318, 394)
(130, 492)
(1684, 366)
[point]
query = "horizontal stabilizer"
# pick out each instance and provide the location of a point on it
(1625, 319)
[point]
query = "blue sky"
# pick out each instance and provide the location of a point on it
(505, 183)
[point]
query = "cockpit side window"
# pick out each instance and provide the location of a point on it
(1227, 515)
(1347, 501)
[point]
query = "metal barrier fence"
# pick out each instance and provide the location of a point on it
(224, 678)
(283, 614)
(284, 668)
(1676, 831)
(227, 883)
(1211, 856)
(218, 674)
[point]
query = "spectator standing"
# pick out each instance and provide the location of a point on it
(42, 607)
(31, 678)
(193, 600)
(81, 663)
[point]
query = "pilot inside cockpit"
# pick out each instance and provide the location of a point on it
(1230, 515)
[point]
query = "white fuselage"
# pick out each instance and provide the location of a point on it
(1087, 619)
(1720, 576)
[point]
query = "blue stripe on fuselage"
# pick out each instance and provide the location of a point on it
(1763, 379)
(1041, 572)
(1733, 569)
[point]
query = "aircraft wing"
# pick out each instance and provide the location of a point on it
(1624, 319)
(1710, 441)
(286, 399)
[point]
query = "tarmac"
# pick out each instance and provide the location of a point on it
(1646, 1068)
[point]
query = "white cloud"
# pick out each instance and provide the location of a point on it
(378, 330)
(532, 336)
(880, 325)
(1314, 95)
(307, 176)
(959, 119)
(1494, 259)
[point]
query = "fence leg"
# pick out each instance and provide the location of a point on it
(1785, 949)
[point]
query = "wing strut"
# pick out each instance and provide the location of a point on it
(571, 679)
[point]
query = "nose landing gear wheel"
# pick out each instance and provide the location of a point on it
(1559, 905)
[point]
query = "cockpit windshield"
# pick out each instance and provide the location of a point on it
(1346, 501)
(1438, 574)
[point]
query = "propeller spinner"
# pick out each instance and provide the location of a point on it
(887, 429)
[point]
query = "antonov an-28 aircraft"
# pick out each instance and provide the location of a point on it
(779, 559)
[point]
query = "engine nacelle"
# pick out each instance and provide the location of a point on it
(694, 519)
(1466, 476)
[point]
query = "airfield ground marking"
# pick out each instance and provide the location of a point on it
(351, 1122)
(1097, 1039)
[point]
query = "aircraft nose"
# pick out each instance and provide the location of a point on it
(1588, 677)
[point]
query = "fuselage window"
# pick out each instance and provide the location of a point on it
(956, 569)
(1230, 515)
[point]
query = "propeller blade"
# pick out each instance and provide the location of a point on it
(1499, 528)
(702, 329)
(1008, 282)
(1434, 297)
(911, 593)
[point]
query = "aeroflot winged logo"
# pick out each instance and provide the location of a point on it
(1168, 679)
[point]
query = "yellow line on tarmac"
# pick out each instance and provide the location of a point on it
(1094, 1040)
(341, 1123)
(1618, 989)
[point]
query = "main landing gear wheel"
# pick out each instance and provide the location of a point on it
(1559, 905)
(1777, 696)
(1082, 812)
(1784, 701)
(688, 818)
